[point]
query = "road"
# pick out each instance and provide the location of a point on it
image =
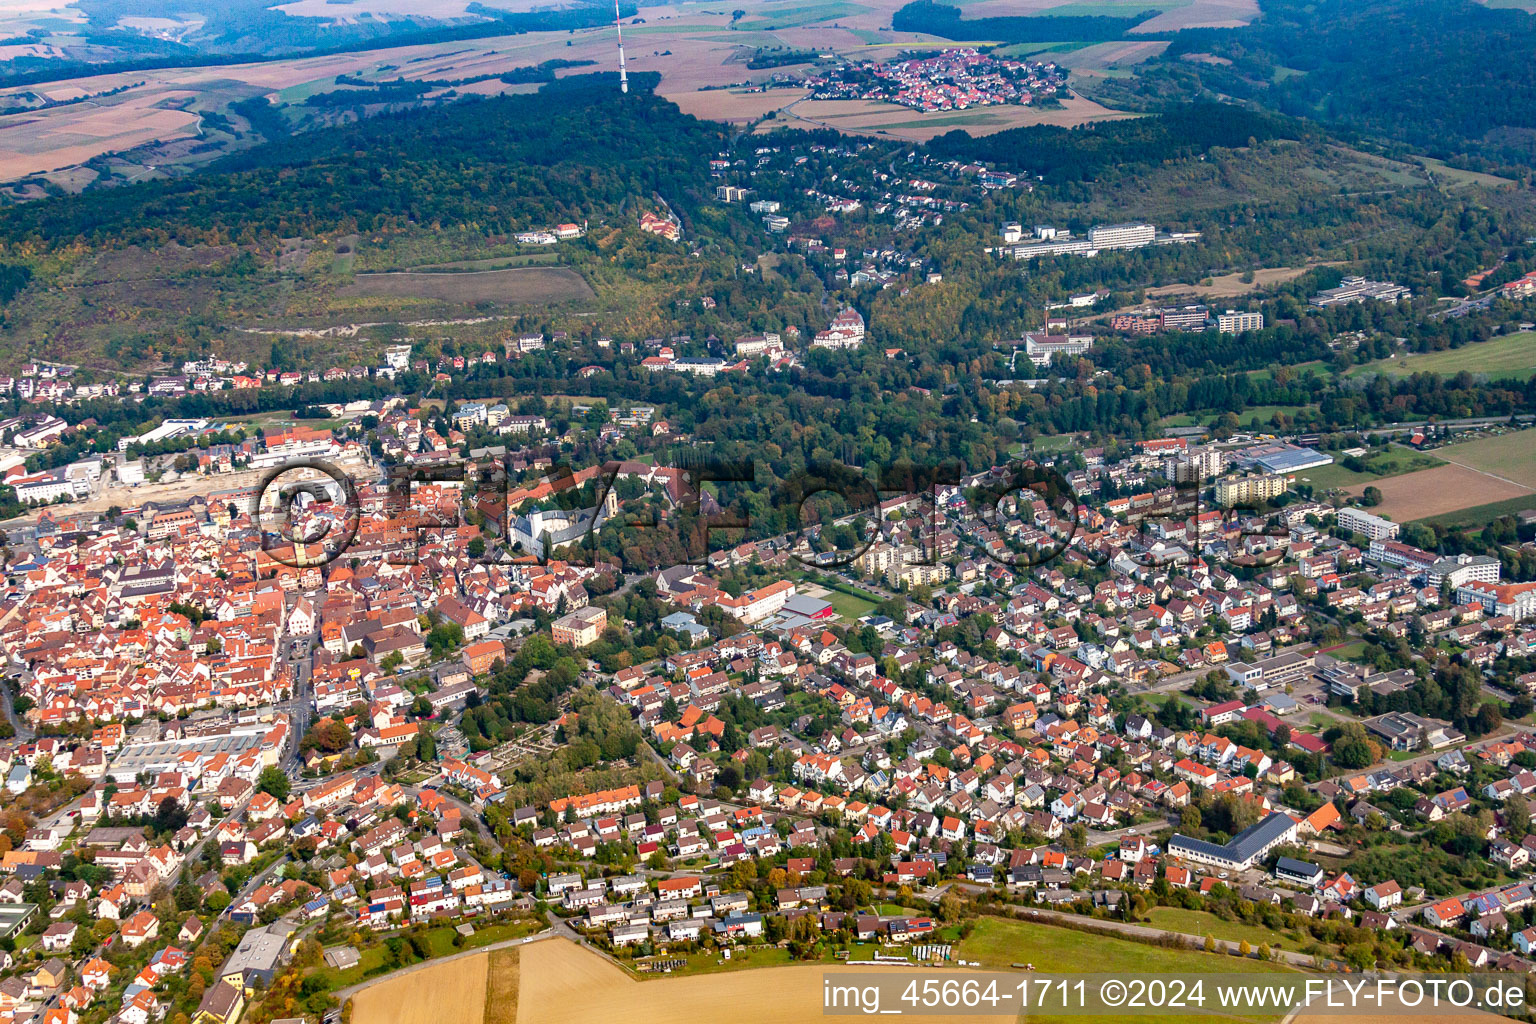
(23, 731)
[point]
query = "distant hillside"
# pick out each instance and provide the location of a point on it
(1086, 152)
(502, 164)
(945, 21)
(1451, 78)
(221, 32)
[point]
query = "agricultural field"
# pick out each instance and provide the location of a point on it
(998, 942)
(1511, 456)
(1392, 462)
(516, 285)
(1512, 356)
(563, 983)
(453, 991)
(1432, 492)
(1480, 515)
(868, 117)
(157, 121)
(501, 986)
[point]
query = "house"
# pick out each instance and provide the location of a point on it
(1288, 869)
(1445, 914)
(58, 936)
(222, 1003)
(1385, 895)
(142, 927)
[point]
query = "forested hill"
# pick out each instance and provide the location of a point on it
(945, 21)
(501, 164)
(1087, 152)
(1445, 77)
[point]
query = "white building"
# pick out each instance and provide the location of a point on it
(1236, 322)
(1374, 527)
(1121, 236)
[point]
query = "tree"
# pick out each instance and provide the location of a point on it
(1517, 818)
(1210, 943)
(275, 782)
(1371, 496)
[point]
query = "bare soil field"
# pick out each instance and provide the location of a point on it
(1431, 492)
(516, 285)
(562, 983)
(449, 993)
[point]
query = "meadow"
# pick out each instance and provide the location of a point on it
(1511, 456)
(514, 285)
(1509, 356)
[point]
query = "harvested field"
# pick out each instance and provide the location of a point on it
(64, 136)
(1431, 492)
(869, 117)
(564, 984)
(446, 993)
(539, 285)
(734, 106)
(1203, 14)
(1100, 57)
(501, 985)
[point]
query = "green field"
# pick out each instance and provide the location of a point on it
(1198, 922)
(1391, 462)
(1264, 412)
(371, 960)
(850, 606)
(998, 942)
(1511, 455)
(1350, 651)
(1480, 515)
(1051, 444)
(1455, 175)
(1513, 355)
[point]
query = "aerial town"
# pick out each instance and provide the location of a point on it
(214, 729)
(566, 547)
(954, 79)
